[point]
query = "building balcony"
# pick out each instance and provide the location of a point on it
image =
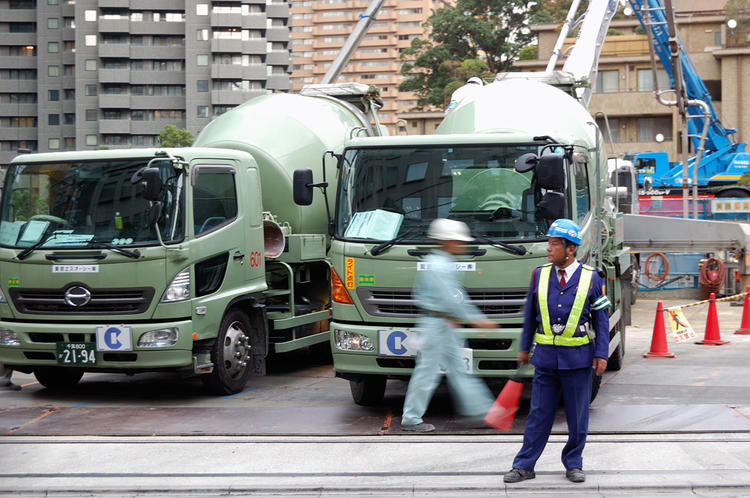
(69, 82)
(18, 110)
(626, 104)
(254, 47)
(114, 101)
(174, 5)
(19, 15)
(114, 76)
(17, 62)
(278, 82)
(254, 21)
(229, 97)
(18, 86)
(157, 28)
(115, 4)
(69, 58)
(114, 25)
(156, 102)
(277, 34)
(69, 106)
(225, 20)
(227, 71)
(114, 126)
(68, 34)
(19, 39)
(278, 58)
(157, 52)
(153, 127)
(114, 50)
(68, 9)
(277, 10)
(157, 77)
(230, 46)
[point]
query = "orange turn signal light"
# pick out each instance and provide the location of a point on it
(338, 291)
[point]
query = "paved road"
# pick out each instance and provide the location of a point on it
(677, 425)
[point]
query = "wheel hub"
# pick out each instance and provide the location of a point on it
(236, 350)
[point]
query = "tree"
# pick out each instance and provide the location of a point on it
(463, 37)
(171, 136)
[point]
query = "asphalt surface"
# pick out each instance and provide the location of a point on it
(678, 426)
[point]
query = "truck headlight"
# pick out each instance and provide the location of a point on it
(8, 337)
(159, 338)
(352, 341)
(179, 288)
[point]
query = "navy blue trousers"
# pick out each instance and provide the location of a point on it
(547, 386)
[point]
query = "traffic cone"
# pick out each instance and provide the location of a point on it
(712, 336)
(503, 411)
(659, 337)
(745, 325)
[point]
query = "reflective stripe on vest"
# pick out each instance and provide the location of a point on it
(566, 338)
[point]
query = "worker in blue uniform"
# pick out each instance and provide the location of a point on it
(567, 316)
(443, 301)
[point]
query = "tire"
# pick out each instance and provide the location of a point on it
(58, 377)
(596, 383)
(369, 390)
(230, 355)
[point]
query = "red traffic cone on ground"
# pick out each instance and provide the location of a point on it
(745, 325)
(503, 411)
(712, 336)
(659, 337)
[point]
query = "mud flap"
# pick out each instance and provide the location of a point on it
(258, 339)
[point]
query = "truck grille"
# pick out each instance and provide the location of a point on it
(397, 302)
(103, 301)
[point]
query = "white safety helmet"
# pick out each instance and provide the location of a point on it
(475, 79)
(445, 229)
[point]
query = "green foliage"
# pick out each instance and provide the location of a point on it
(528, 53)
(171, 136)
(614, 32)
(463, 37)
(638, 30)
(26, 203)
(739, 10)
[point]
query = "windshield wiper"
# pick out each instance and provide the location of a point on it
(520, 250)
(388, 243)
(135, 254)
(33, 247)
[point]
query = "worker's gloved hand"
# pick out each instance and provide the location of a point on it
(484, 324)
(523, 357)
(599, 365)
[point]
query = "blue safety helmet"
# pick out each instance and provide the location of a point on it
(567, 229)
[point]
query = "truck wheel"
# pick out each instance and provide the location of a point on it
(230, 355)
(58, 377)
(369, 390)
(596, 382)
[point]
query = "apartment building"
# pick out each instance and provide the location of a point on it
(84, 74)
(319, 29)
(624, 86)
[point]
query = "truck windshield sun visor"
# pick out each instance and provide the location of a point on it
(89, 204)
(392, 193)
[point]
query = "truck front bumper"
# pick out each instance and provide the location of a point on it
(37, 346)
(493, 353)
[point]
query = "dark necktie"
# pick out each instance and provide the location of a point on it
(562, 278)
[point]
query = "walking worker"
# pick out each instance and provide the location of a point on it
(472, 86)
(444, 303)
(558, 308)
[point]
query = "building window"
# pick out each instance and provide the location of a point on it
(53, 95)
(202, 111)
(649, 128)
(90, 40)
(89, 15)
(69, 118)
(53, 47)
(90, 64)
(70, 143)
(53, 71)
(202, 85)
(53, 143)
(201, 60)
(51, 2)
(201, 9)
(92, 114)
(607, 81)
(202, 34)
(53, 23)
(91, 140)
(53, 119)
(717, 38)
(90, 90)
(69, 94)
(646, 80)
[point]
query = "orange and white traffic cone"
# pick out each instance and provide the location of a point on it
(659, 338)
(712, 336)
(745, 324)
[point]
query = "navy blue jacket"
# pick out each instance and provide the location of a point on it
(559, 302)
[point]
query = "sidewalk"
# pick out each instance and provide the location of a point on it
(636, 465)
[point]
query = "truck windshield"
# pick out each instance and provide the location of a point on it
(77, 204)
(396, 192)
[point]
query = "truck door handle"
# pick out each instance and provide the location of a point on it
(238, 255)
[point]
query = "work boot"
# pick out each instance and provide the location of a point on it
(418, 427)
(575, 474)
(518, 475)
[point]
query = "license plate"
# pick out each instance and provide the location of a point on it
(76, 353)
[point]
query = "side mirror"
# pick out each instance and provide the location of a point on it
(550, 172)
(302, 185)
(526, 162)
(153, 182)
(154, 213)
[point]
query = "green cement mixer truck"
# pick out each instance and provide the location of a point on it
(507, 162)
(193, 260)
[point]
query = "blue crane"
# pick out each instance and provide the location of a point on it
(721, 160)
